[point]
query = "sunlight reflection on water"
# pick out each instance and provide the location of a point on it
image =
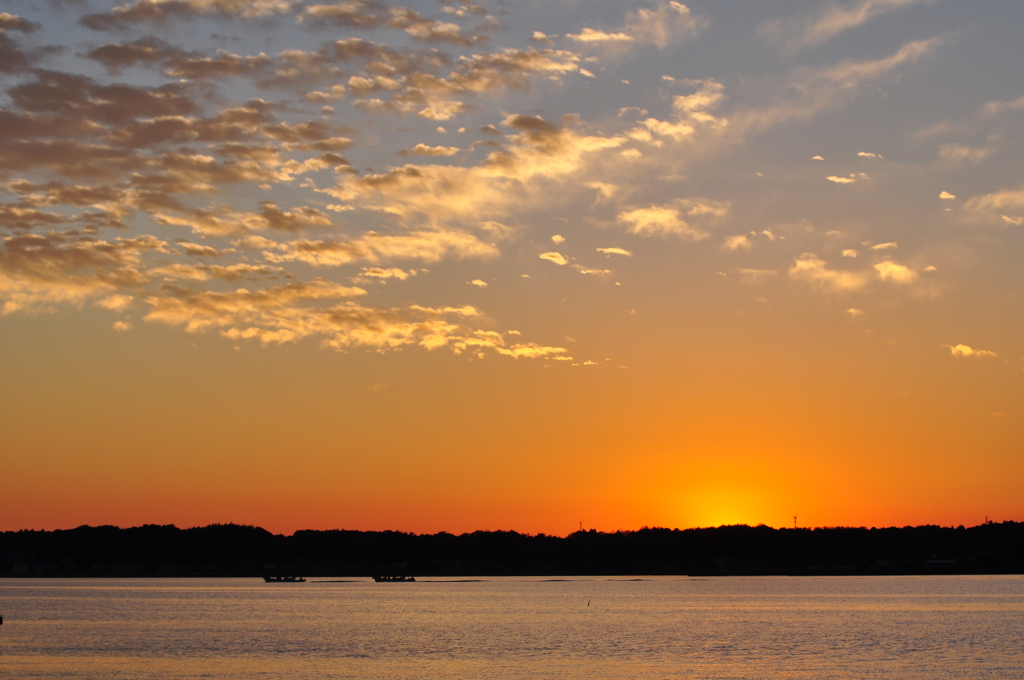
(902, 627)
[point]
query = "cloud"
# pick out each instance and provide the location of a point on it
(670, 219)
(853, 177)
(156, 12)
(478, 283)
(40, 271)
(615, 251)
(957, 153)
(426, 246)
(738, 242)
(558, 238)
(366, 14)
(849, 252)
(659, 221)
(817, 27)
(369, 14)
(810, 91)
(369, 274)
(995, 108)
(669, 23)
(234, 272)
(424, 150)
(1001, 207)
(590, 35)
(692, 114)
(541, 38)
(896, 273)
(13, 22)
(885, 246)
(856, 314)
(116, 303)
(318, 308)
(557, 258)
(812, 269)
(869, 154)
(757, 276)
(946, 196)
(967, 351)
(223, 221)
(421, 92)
(541, 158)
(532, 351)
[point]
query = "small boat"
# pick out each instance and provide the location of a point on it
(394, 579)
(284, 579)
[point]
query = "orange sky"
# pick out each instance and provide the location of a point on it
(457, 266)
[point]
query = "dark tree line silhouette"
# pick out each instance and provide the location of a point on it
(233, 550)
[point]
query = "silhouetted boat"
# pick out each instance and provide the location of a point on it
(284, 579)
(390, 579)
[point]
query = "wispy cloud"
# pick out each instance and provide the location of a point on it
(615, 251)
(1002, 207)
(816, 27)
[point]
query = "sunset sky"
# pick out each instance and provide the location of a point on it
(520, 264)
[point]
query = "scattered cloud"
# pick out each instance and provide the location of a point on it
(850, 179)
(896, 273)
(425, 246)
(269, 192)
(380, 274)
(665, 220)
(738, 242)
(588, 270)
(425, 150)
(590, 35)
(157, 12)
(812, 269)
(968, 351)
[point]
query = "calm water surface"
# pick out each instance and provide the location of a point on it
(879, 627)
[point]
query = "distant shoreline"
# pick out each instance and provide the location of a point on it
(229, 550)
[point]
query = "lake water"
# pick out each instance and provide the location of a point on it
(616, 628)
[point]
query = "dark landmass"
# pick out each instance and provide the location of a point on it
(232, 550)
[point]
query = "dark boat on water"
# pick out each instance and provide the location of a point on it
(284, 579)
(394, 579)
